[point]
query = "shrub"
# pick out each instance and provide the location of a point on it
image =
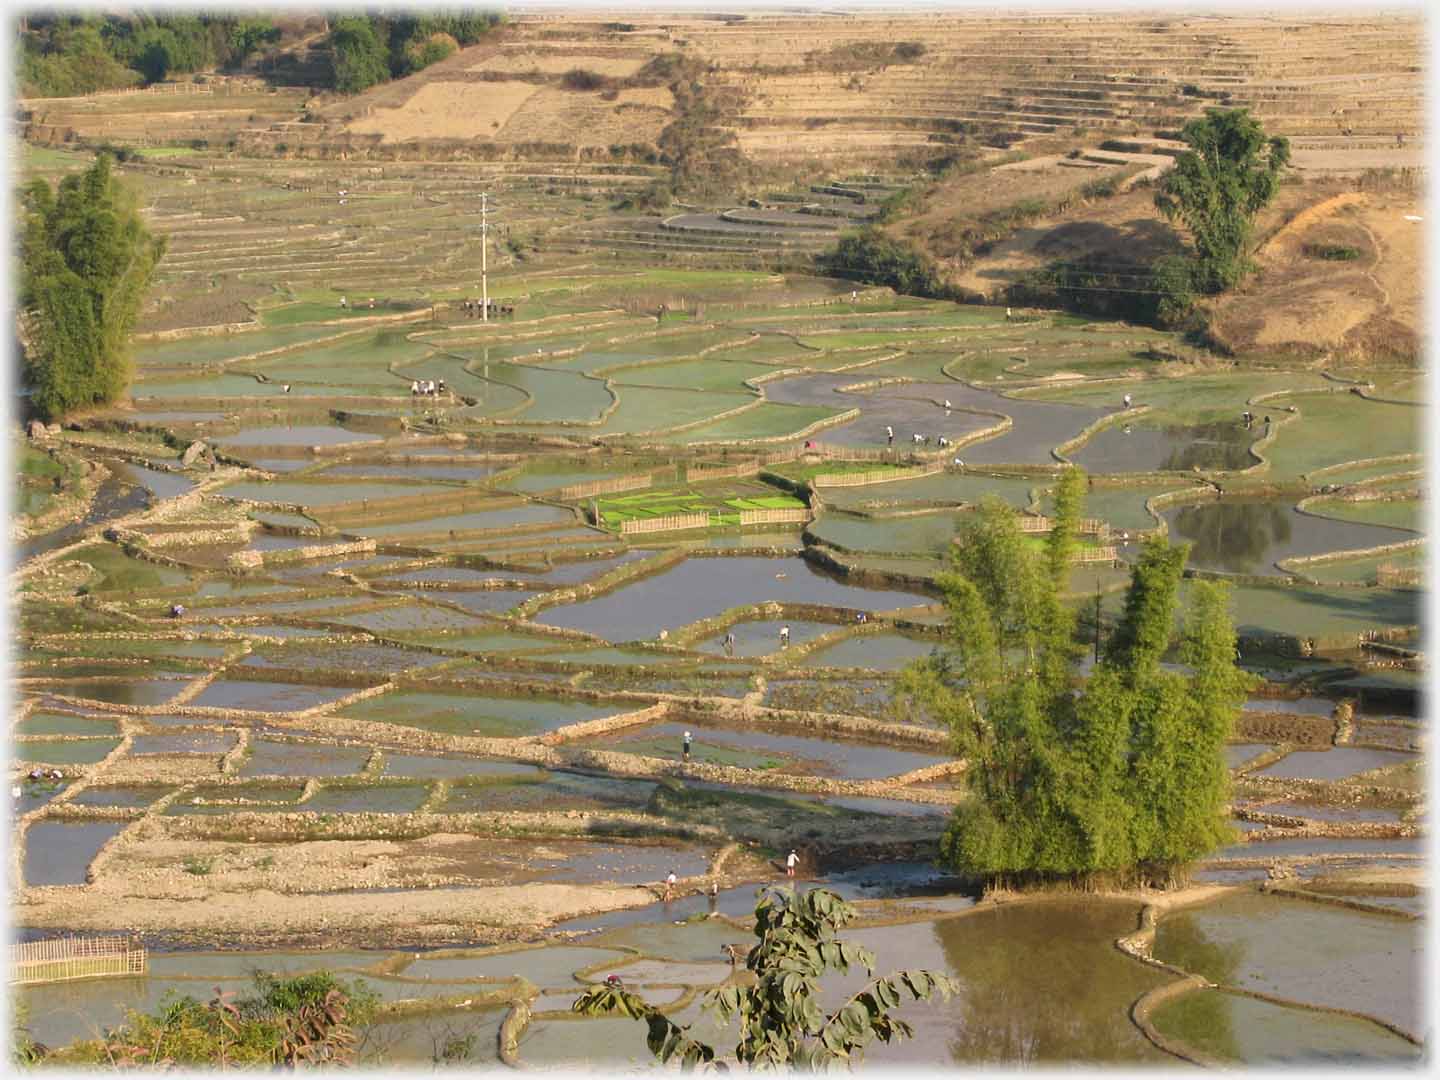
(1332, 252)
(582, 79)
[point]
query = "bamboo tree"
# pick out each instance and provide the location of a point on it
(86, 261)
(1128, 777)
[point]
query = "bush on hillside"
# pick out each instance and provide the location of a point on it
(875, 258)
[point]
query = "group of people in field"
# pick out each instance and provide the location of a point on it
(427, 387)
(474, 308)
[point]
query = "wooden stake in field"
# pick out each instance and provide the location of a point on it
(484, 280)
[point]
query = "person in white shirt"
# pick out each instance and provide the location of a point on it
(791, 861)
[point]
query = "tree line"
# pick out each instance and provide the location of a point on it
(71, 54)
(65, 55)
(374, 48)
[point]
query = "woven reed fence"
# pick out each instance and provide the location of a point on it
(792, 516)
(665, 524)
(1391, 576)
(75, 958)
(605, 487)
(875, 476)
(1038, 523)
(695, 475)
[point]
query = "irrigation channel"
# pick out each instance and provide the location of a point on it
(399, 685)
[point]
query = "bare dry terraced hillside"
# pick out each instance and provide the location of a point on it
(858, 89)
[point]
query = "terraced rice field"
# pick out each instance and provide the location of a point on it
(444, 700)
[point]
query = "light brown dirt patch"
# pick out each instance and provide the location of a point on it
(557, 63)
(440, 110)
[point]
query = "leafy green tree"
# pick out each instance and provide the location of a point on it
(158, 55)
(781, 1021)
(248, 35)
(1231, 172)
(86, 261)
(1126, 778)
(357, 55)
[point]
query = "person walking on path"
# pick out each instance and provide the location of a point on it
(889, 435)
(785, 636)
(1267, 425)
(685, 747)
(729, 642)
(1127, 401)
(791, 861)
(669, 885)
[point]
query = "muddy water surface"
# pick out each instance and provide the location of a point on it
(58, 853)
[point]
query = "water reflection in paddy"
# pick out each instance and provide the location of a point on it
(1016, 963)
(1248, 536)
(1173, 448)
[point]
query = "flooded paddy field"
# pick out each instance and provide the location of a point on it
(420, 737)
(1303, 952)
(702, 588)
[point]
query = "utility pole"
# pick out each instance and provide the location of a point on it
(484, 280)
